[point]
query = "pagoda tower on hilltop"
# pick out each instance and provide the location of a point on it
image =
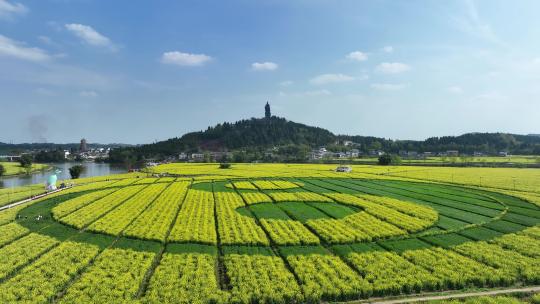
(267, 113)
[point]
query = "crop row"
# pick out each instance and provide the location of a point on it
(154, 222)
(10, 232)
(115, 221)
(242, 185)
(288, 232)
(411, 209)
(337, 231)
(454, 270)
(42, 280)
(234, 228)
(185, 278)
(302, 196)
(7, 198)
(326, 276)
(511, 263)
(390, 273)
(73, 204)
(273, 185)
(390, 215)
(255, 197)
(22, 251)
(261, 279)
(87, 214)
(113, 278)
(195, 221)
(521, 243)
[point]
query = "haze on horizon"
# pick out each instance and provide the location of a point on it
(116, 71)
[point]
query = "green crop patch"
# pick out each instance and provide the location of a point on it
(138, 245)
(505, 226)
(403, 245)
(446, 240)
(191, 248)
(480, 233)
(248, 250)
(449, 223)
(302, 211)
(335, 210)
(268, 211)
(521, 219)
(344, 250)
(285, 235)
(303, 250)
(527, 212)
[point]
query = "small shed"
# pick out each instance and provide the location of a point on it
(343, 169)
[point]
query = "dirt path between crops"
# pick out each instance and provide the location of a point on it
(31, 199)
(451, 296)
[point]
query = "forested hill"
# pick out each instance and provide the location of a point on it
(254, 133)
(260, 134)
(490, 143)
(15, 149)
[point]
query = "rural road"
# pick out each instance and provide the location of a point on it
(452, 296)
(30, 199)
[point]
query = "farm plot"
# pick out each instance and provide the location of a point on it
(264, 239)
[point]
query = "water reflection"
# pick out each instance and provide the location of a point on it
(91, 169)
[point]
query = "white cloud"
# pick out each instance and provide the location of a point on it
(286, 83)
(317, 93)
(330, 78)
(9, 10)
(90, 36)
(88, 94)
(264, 66)
(357, 56)
(54, 75)
(392, 67)
(185, 59)
(45, 39)
(472, 24)
(489, 97)
(388, 49)
(12, 48)
(388, 86)
(312, 93)
(45, 92)
(455, 90)
(363, 77)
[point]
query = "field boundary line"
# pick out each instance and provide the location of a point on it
(32, 199)
(434, 296)
(85, 227)
(145, 282)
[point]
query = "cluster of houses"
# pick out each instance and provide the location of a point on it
(200, 156)
(449, 153)
(90, 154)
(322, 153)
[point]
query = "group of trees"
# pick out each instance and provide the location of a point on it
(291, 142)
(25, 161)
(389, 159)
(250, 138)
(44, 156)
(488, 143)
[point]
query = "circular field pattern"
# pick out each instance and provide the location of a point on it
(264, 240)
(264, 185)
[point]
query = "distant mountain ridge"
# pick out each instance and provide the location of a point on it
(6, 148)
(260, 134)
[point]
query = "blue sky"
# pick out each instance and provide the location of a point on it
(139, 71)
